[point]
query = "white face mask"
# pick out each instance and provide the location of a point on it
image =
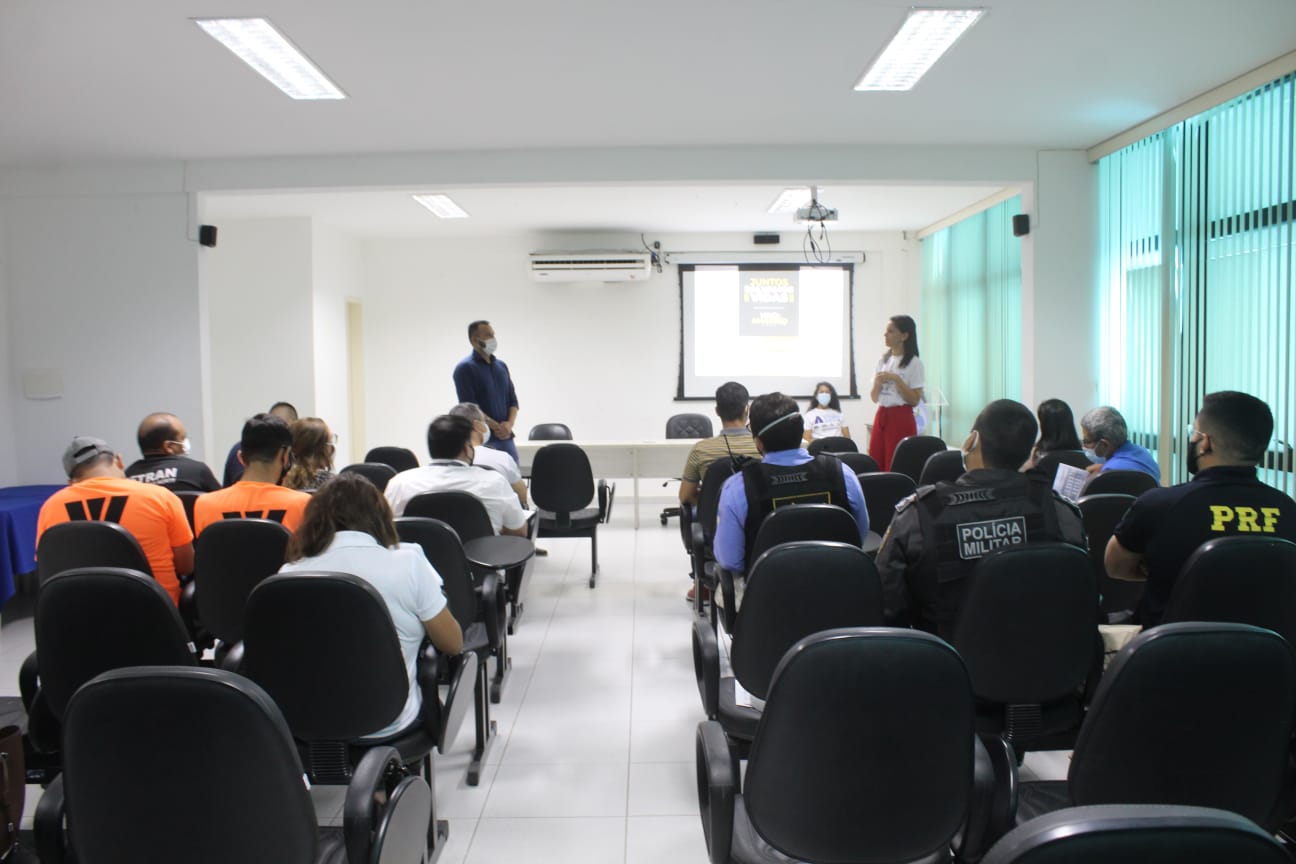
(485, 432)
(186, 445)
(489, 346)
(823, 399)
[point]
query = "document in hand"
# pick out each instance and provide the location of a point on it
(1069, 481)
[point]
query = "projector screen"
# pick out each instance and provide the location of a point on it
(768, 326)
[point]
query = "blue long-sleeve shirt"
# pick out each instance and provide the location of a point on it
(488, 385)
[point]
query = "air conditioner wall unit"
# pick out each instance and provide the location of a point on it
(595, 266)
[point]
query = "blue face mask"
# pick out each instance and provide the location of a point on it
(823, 399)
(1093, 456)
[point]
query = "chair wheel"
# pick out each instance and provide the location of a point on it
(663, 520)
(495, 693)
(591, 581)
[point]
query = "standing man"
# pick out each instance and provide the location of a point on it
(483, 379)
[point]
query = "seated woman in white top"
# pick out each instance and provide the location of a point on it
(824, 418)
(348, 528)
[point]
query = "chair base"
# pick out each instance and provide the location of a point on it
(484, 728)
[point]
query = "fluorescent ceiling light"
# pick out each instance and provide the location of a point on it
(442, 206)
(790, 200)
(258, 44)
(925, 35)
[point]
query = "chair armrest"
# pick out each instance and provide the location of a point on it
(606, 495)
(374, 778)
(686, 526)
(427, 677)
(706, 665)
(491, 603)
(717, 782)
(47, 825)
(232, 661)
(993, 807)
(28, 681)
(725, 581)
(698, 537)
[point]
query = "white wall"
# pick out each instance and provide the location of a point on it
(8, 462)
(337, 277)
(260, 307)
(602, 358)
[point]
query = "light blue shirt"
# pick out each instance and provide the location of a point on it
(1131, 457)
(731, 517)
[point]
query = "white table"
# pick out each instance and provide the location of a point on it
(633, 459)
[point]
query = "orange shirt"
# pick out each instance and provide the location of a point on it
(248, 499)
(152, 514)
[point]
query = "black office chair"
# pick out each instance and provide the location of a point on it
(832, 444)
(703, 528)
(1120, 483)
(793, 590)
(398, 458)
(1026, 632)
(188, 497)
(377, 473)
(480, 610)
(912, 453)
(174, 764)
(943, 467)
(1197, 713)
(883, 490)
(685, 426)
(231, 558)
(1249, 580)
(562, 487)
(90, 543)
(860, 463)
(1102, 513)
(865, 752)
(1138, 834)
(550, 432)
(1049, 462)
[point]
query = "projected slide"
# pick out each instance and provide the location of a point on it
(772, 327)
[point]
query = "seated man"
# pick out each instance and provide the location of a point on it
(233, 467)
(266, 454)
(99, 489)
(787, 474)
(1104, 436)
(485, 457)
(936, 537)
(735, 439)
(1165, 526)
(164, 444)
(450, 444)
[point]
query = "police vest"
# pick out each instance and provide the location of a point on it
(769, 487)
(965, 523)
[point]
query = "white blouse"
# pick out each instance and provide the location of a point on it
(911, 375)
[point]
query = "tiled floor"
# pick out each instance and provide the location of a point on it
(593, 761)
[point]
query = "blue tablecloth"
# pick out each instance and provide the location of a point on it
(19, 507)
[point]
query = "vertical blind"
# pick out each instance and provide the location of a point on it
(970, 330)
(1196, 233)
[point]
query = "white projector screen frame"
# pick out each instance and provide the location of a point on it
(770, 326)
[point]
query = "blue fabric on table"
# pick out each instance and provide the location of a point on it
(19, 508)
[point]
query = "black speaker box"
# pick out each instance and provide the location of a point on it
(1021, 225)
(207, 235)
(765, 239)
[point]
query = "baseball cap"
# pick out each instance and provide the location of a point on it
(83, 449)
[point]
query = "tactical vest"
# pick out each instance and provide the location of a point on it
(966, 523)
(769, 487)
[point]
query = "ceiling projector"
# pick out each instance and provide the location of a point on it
(816, 212)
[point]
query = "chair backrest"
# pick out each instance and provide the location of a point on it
(945, 466)
(1101, 514)
(860, 463)
(398, 458)
(793, 591)
(1049, 462)
(188, 498)
(708, 504)
(1137, 834)
(864, 749)
(444, 551)
(231, 558)
(462, 511)
(93, 619)
(805, 522)
(832, 444)
(324, 647)
(1194, 713)
(911, 454)
(882, 492)
(135, 737)
(550, 432)
(689, 426)
(1120, 482)
(69, 545)
(1250, 580)
(377, 473)
(561, 478)
(1026, 629)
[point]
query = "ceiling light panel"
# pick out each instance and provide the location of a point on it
(924, 36)
(442, 206)
(789, 200)
(257, 43)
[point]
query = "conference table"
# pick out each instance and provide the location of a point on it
(19, 507)
(662, 458)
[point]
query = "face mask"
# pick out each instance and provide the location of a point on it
(823, 399)
(186, 445)
(1193, 464)
(485, 430)
(489, 346)
(1093, 456)
(976, 440)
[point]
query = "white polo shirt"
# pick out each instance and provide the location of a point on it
(498, 460)
(452, 475)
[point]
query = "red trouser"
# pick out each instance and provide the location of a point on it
(892, 423)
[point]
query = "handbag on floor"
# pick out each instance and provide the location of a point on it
(13, 788)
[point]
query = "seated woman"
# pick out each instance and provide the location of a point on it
(823, 419)
(1057, 430)
(348, 529)
(312, 455)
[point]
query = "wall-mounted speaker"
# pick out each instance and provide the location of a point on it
(765, 239)
(1021, 225)
(207, 235)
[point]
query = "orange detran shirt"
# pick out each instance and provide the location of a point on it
(152, 514)
(249, 499)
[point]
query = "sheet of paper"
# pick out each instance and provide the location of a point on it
(1070, 481)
